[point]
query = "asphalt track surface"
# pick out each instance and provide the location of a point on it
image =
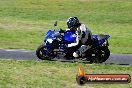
(21, 54)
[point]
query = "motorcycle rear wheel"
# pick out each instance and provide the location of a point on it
(40, 53)
(107, 53)
(101, 56)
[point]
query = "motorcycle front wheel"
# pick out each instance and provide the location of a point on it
(41, 53)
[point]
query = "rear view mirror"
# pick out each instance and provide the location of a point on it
(56, 22)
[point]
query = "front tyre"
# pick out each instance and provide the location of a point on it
(41, 53)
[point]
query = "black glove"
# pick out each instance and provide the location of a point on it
(62, 31)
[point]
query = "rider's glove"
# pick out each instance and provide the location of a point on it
(62, 31)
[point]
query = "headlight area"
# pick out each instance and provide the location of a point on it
(49, 41)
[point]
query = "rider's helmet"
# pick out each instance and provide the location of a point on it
(73, 23)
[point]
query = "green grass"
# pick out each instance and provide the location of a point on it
(44, 74)
(23, 22)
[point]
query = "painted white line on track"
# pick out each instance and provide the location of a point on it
(16, 50)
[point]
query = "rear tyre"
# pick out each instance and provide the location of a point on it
(105, 53)
(41, 53)
(101, 55)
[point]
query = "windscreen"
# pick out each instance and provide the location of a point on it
(53, 34)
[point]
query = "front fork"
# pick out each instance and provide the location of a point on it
(49, 49)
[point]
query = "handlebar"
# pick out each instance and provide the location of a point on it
(62, 31)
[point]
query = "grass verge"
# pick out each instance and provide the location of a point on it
(23, 23)
(44, 74)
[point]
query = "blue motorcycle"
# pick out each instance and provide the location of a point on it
(56, 41)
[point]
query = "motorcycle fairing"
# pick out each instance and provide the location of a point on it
(48, 34)
(101, 38)
(70, 36)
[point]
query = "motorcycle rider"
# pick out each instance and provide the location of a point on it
(83, 37)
